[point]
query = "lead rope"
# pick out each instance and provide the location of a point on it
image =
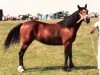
(90, 37)
(82, 17)
(94, 49)
(93, 45)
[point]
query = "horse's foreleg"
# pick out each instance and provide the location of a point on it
(70, 57)
(70, 53)
(66, 57)
(21, 54)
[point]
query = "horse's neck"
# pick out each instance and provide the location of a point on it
(75, 28)
(71, 20)
(75, 24)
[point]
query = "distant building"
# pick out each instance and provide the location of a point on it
(1, 14)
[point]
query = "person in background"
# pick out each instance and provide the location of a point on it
(92, 30)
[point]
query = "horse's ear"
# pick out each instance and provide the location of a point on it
(78, 6)
(85, 5)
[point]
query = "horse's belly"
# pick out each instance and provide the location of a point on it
(50, 41)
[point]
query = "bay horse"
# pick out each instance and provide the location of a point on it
(60, 33)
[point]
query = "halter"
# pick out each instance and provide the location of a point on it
(82, 17)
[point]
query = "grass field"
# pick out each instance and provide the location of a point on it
(43, 59)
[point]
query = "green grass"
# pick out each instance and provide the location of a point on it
(43, 59)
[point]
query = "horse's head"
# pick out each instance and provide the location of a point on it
(83, 12)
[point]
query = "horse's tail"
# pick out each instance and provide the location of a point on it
(13, 36)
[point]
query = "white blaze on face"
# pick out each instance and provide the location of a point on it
(83, 10)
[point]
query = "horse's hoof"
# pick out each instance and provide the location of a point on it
(68, 69)
(21, 69)
(71, 66)
(65, 68)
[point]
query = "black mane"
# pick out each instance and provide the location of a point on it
(70, 20)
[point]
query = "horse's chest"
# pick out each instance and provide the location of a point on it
(66, 35)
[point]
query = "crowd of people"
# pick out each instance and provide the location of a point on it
(39, 16)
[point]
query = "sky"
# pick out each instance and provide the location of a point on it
(19, 7)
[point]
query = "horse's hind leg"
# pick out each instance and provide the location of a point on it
(21, 54)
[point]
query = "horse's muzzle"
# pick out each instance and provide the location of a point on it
(87, 20)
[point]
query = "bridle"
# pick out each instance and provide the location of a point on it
(82, 17)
